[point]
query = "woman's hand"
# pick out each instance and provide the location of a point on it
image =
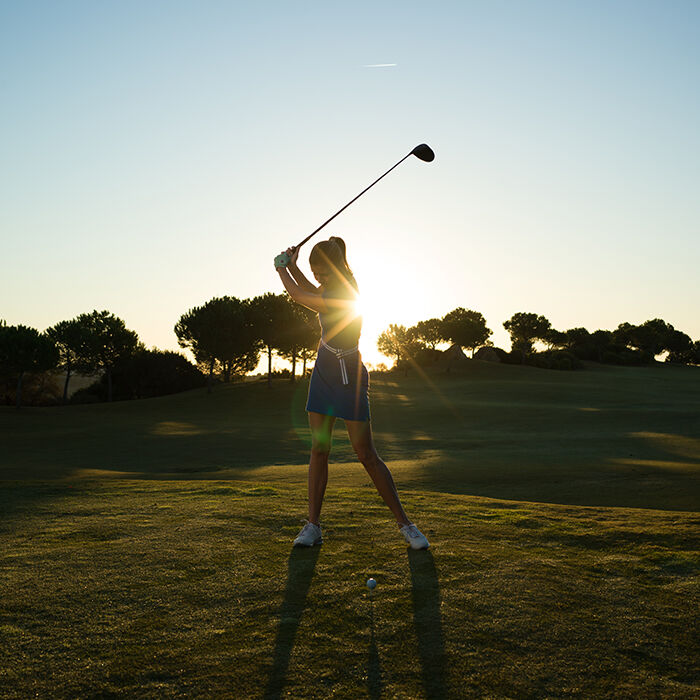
(281, 261)
(293, 254)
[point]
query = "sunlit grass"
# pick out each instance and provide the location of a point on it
(180, 588)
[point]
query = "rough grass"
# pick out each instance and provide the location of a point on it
(191, 589)
(172, 575)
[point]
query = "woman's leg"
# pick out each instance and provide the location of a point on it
(321, 433)
(360, 433)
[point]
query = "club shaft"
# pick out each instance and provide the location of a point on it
(340, 211)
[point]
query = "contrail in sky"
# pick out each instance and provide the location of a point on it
(380, 65)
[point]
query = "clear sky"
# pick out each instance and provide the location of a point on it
(156, 154)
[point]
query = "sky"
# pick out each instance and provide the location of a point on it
(154, 155)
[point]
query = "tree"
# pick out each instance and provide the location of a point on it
(299, 334)
(269, 313)
(430, 332)
(399, 342)
(622, 335)
(465, 328)
(24, 349)
(306, 355)
(600, 342)
(193, 333)
(651, 337)
(221, 335)
(680, 348)
(555, 339)
(238, 350)
(69, 337)
(525, 328)
(106, 341)
(693, 355)
(578, 342)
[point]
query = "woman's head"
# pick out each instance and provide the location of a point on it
(329, 263)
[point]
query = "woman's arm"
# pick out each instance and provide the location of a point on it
(311, 300)
(297, 274)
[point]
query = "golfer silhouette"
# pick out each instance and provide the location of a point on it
(339, 386)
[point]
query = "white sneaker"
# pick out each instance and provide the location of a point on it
(414, 537)
(308, 536)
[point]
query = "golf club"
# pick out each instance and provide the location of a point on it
(422, 151)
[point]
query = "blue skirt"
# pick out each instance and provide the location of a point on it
(327, 393)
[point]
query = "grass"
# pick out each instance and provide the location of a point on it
(145, 546)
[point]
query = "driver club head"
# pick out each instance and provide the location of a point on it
(424, 152)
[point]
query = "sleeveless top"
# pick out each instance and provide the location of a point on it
(341, 326)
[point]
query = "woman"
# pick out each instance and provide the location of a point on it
(339, 383)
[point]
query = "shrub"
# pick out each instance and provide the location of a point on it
(38, 389)
(146, 374)
(554, 359)
(425, 357)
(515, 357)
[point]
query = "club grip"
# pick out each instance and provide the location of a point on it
(282, 260)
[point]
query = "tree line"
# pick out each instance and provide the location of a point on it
(628, 344)
(227, 336)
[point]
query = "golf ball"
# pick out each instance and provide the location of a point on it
(371, 584)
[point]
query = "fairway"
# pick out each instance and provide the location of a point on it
(146, 546)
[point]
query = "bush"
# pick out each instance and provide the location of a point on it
(565, 363)
(515, 357)
(612, 358)
(90, 394)
(635, 358)
(554, 359)
(502, 354)
(38, 389)
(145, 374)
(425, 357)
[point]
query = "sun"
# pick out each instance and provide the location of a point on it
(380, 303)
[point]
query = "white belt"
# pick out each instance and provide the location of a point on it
(341, 355)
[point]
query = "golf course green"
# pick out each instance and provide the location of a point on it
(145, 546)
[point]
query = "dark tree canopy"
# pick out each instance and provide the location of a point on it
(466, 328)
(430, 332)
(270, 314)
(221, 335)
(107, 340)
(653, 337)
(24, 349)
(555, 339)
(299, 334)
(70, 338)
(680, 348)
(525, 328)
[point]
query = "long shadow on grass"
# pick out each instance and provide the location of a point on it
(374, 666)
(300, 570)
(426, 617)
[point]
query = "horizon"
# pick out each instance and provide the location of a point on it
(155, 157)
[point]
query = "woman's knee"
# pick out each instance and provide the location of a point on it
(367, 455)
(321, 445)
